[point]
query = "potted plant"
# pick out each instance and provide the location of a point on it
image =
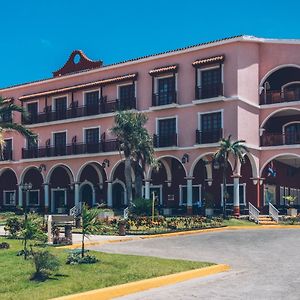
(209, 204)
(291, 210)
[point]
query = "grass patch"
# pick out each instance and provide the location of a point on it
(112, 269)
(238, 222)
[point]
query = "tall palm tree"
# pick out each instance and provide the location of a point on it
(236, 149)
(7, 108)
(137, 146)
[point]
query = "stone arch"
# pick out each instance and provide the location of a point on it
(114, 168)
(102, 175)
(8, 182)
(254, 165)
(64, 166)
(24, 172)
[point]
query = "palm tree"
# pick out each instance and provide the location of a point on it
(137, 146)
(228, 147)
(90, 224)
(7, 108)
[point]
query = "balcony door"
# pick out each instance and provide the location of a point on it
(60, 142)
(292, 134)
(210, 84)
(126, 96)
(7, 153)
(211, 127)
(32, 109)
(92, 140)
(165, 90)
(167, 132)
(92, 103)
(60, 105)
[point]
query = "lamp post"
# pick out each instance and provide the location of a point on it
(27, 187)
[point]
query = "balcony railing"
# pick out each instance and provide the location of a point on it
(207, 137)
(75, 111)
(71, 149)
(6, 155)
(164, 98)
(272, 97)
(209, 91)
(168, 140)
(277, 139)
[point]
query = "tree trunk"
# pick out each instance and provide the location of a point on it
(82, 245)
(138, 170)
(128, 180)
(224, 187)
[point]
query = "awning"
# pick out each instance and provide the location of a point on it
(80, 86)
(208, 60)
(166, 69)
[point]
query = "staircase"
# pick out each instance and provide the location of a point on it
(76, 210)
(271, 219)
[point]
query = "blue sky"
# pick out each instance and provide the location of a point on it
(36, 37)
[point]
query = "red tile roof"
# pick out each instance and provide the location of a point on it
(209, 60)
(166, 69)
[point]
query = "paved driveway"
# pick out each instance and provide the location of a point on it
(265, 264)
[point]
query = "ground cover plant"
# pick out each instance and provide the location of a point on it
(112, 269)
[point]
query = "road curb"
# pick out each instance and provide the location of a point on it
(146, 284)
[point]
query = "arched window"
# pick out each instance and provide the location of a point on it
(292, 133)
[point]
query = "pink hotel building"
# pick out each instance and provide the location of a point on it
(244, 86)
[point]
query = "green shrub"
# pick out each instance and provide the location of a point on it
(142, 207)
(13, 226)
(76, 259)
(44, 263)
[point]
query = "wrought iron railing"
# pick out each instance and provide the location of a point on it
(278, 96)
(211, 136)
(167, 140)
(164, 98)
(6, 155)
(75, 211)
(71, 149)
(277, 139)
(209, 91)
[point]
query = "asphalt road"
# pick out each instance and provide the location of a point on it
(265, 264)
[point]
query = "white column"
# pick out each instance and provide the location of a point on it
(147, 189)
(189, 183)
(76, 192)
(20, 196)
(46, 196)
(236, 195)
(109, 194)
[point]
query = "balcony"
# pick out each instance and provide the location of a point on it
(75, 111)
(278, 139)
(167, 140)
(209, 91)
(164, 98)
(208, 137)
(6, 155)
(288, 95)
(71, 149)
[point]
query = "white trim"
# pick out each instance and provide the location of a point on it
(181, 186)
(156, 186)
(210, 112)
(15, 198)
(206, 68)
(52, 197)
(58, 97)
(126, 84)
(86, 182)
(231, 184)
(165, 118)
(33, 101)
(92, 127)
(90, 91)
(52, 141)
(161, 107)
(27, 198)
(289, 83)
(211, 100)
(289, 123)
(157, 78)
(124, 190)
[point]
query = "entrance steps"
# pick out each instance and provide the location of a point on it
(266, 220)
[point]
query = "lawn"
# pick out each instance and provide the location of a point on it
(238, 222)
(112, 269)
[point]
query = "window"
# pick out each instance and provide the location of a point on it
(166, 93)
(210, 128)
(9, 198)
(60, 140)
(127, 96)
(34, 196)
(7, 153)
(269, 194)
(61, 108)
(196, 195)
(209, 82)
(292, 134)
(92, 102)
(92, 140)
(242, 194)
(6, 117)
(32, 109)
(167, 133)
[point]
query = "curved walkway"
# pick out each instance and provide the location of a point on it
(265, 264)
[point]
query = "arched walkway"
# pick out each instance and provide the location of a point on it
(8, 189)
(119, 194)
(61, 189)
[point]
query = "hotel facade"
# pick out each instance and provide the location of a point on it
(242, 86)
